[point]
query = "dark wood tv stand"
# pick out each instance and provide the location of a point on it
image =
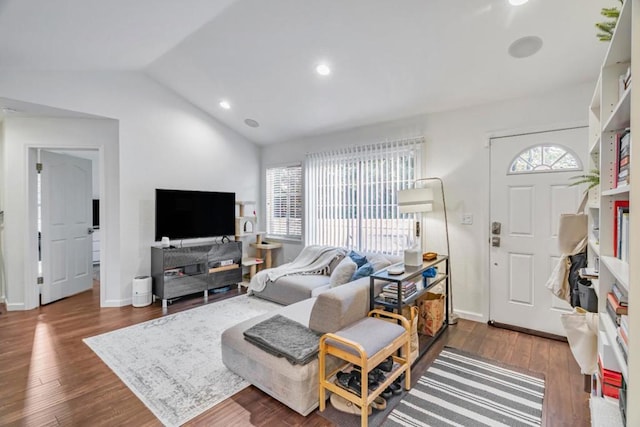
(198, 268)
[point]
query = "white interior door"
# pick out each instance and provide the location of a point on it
(67, 224)
(527, 204)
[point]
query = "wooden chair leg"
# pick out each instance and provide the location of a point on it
(407, 372)
(364, 416)
(321, 377)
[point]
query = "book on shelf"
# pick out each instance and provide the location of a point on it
(615, 304)
(623, 241)
(623, 335)
(623, 346)
(588, 273)
(624, 322)
(615, 318)
(623, 332)
(622, 403)
(407, 290)
(610, 377)
(611, 381)
(403, 293)
(620, 294)
(619, 208)
(404, 290)
(623, 155)
(394, 300)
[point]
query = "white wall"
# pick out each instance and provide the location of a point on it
(164, 142)
(457, 151)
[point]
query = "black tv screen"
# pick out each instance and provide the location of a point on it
(96, 213)
(182, 214)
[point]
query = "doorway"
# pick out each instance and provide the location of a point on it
(530, 188)
(65, 226)
(61, 192)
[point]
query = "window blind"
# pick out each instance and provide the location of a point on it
(351, 195)
(284, 202)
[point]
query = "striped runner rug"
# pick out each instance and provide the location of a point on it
(459, 389)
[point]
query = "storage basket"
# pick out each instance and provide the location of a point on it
(431, 313)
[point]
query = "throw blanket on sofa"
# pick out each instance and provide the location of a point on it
(283, 337)
(314, 259)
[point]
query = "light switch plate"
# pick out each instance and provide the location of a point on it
(467, 218)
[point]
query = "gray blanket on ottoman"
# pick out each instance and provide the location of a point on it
(284, 337)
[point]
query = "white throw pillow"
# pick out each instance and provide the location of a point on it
(378, 262)
(343, 272)
(335, 262)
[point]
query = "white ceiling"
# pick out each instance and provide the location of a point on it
(390, 59)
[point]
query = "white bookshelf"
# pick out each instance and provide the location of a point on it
(609, 115)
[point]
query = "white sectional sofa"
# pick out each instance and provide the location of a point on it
(327, 311)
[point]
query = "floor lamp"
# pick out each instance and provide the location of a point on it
(414, 200)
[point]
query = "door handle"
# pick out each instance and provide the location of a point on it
(90, 230)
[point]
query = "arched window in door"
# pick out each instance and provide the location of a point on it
(545, 158)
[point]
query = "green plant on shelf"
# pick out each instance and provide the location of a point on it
(606, 28)
(592, 179)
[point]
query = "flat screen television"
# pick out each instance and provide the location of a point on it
(183, 214)
(96, 213)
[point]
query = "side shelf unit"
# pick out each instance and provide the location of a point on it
(190, 269)
(610, 116)
(246, 226)
(411, 274)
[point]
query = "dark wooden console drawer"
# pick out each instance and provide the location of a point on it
(225, 277)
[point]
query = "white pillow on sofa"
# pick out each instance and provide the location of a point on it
(343, 272)
(378, 262)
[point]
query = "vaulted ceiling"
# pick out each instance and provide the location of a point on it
(388, 59)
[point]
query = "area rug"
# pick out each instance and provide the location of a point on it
(174, 363)
(459, 389)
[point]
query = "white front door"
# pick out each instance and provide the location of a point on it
(526, 202)
(66, 225)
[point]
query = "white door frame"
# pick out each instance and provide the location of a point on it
(32, 293)
(486, 234)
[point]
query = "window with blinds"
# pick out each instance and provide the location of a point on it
(284, 202)
(351, 196)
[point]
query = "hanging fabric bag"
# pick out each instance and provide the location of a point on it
(572, 229)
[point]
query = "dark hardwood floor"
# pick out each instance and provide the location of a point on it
(49, 377)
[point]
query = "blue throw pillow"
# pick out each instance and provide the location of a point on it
(360, 260)
(364, 271)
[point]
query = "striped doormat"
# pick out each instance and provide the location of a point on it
(459, 389)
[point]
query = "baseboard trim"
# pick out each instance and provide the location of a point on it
(117, 302)
(527, 331)
(469, 315)
(15, 306)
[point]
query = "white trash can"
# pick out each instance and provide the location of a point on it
(141, 291)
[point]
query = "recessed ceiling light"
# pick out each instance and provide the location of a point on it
(323, 70)
(517, 2)
(225, 105)
(251, 123)
(525, 46)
